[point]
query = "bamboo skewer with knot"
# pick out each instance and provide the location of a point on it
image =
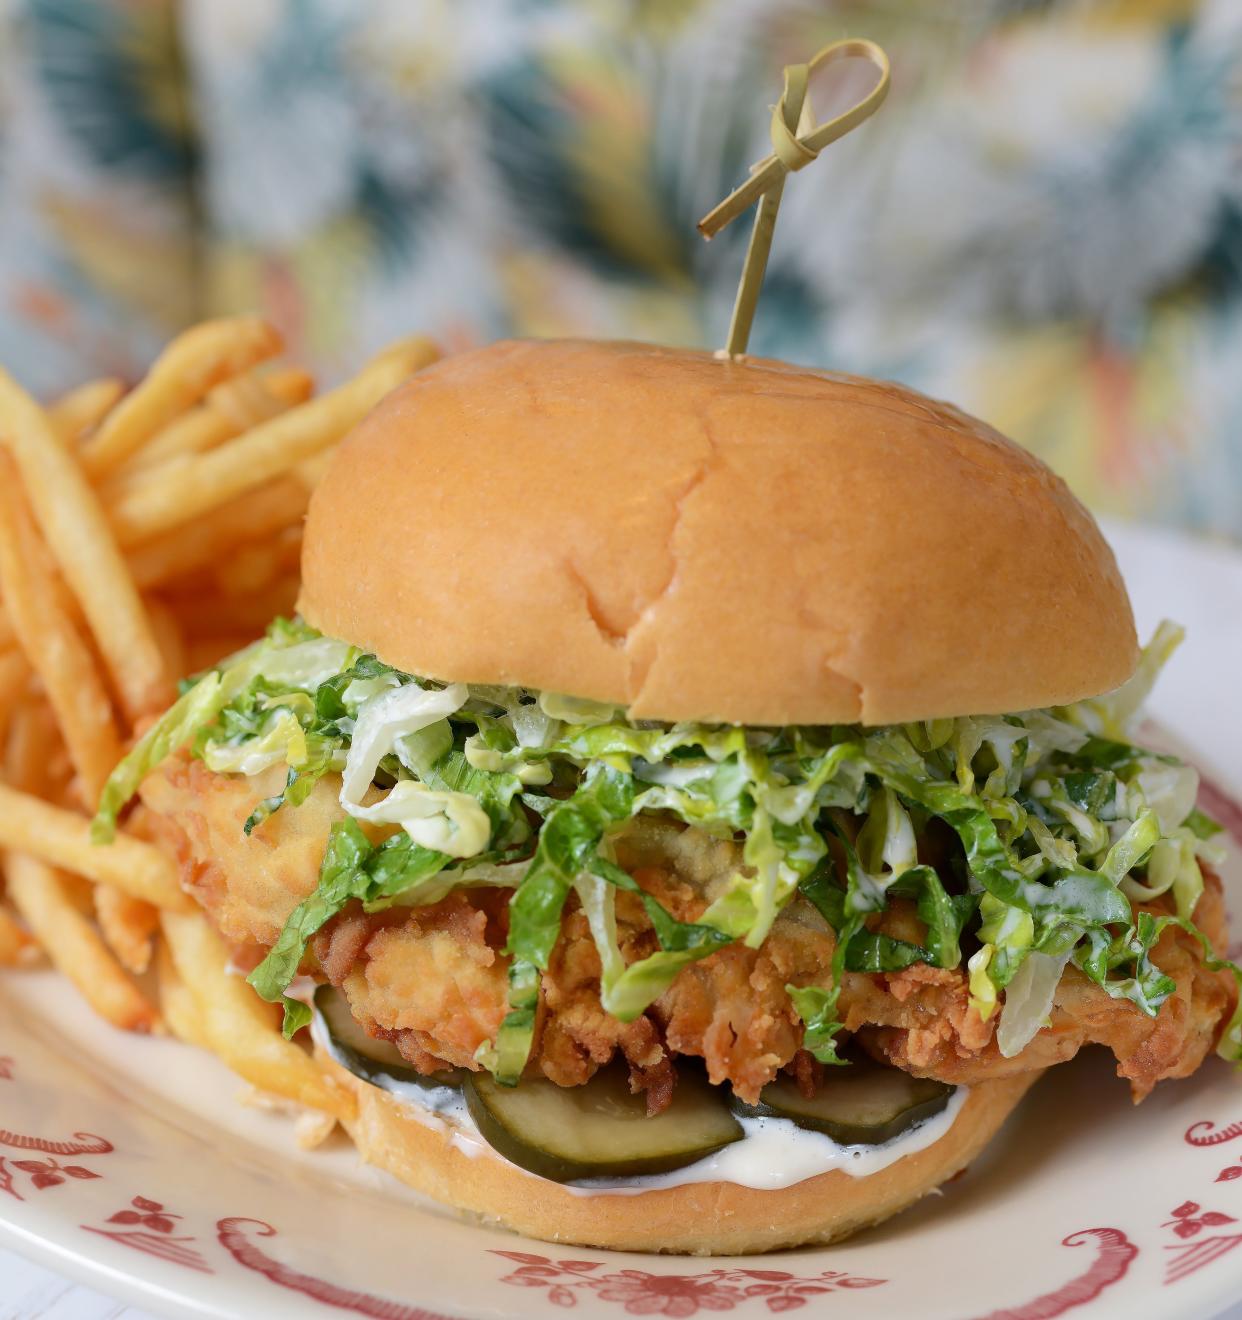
(796, 141)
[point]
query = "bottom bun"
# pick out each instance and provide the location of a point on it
(698, 1219)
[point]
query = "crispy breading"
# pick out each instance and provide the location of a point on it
(434, 976)
(921, 1021)
(434, 979)
(733, 1011)
(247, 884)
(574, 1036)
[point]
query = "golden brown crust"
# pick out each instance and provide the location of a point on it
(701, 1219)
(751, 542)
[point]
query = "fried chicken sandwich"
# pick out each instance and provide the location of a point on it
(696, 798)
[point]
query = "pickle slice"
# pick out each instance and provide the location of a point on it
(368, 1058)
(600, 1130)
(864, 1104)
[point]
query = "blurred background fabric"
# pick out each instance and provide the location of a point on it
(1044, 223)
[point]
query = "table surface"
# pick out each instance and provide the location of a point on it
(29, 1292)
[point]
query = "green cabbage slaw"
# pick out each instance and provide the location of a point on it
(1062, 826)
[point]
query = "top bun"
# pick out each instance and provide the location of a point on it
(748, 542)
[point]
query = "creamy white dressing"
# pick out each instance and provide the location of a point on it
(440, 1107)
(775, 1152)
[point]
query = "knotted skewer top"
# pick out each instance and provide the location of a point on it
(796, 141)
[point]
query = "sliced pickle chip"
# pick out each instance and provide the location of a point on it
(600, 1130)
(863, 1104)
(376, 1061)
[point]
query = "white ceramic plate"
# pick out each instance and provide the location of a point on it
(129, 1164)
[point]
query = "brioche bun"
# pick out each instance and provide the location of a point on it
(697, 1219)
(749, 542)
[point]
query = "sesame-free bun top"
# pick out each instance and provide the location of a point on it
(694, 538)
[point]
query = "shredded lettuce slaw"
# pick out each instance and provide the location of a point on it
(1060, 826)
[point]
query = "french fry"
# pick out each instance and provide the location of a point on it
(76, 531)
(35, 758)
(33, 741)
(76, 414)
(80, 892)
(228, 410)
(17, 949)
(64, 598)
(167, 634)
(203, 356)
(200, 429)
(242, 1029)
(249, 569)
(155, 531)
(14, 678)
(248, 400)
(311, 1127)
(202, 542)
(311, 1130)
(52, 644)
(205, 616)
(289, 548)
(207, 652)
(73, 945)
(62, 838)
(311, 470)
(128, 926)
(177, 1004)
(160, 500)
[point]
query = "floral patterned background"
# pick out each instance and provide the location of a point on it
(1044, 224)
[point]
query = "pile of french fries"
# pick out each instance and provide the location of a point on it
(144, 535)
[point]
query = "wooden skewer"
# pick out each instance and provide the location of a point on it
(796, 141)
